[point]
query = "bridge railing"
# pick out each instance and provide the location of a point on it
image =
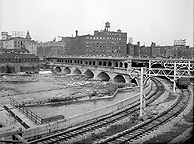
(34, 117)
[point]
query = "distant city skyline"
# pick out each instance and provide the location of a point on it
(159, 21)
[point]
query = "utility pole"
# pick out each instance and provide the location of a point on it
(189, 67)
(174, 80)
(141, 93)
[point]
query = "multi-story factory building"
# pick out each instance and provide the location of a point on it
(102, 43)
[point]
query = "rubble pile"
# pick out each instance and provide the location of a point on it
(76, 88)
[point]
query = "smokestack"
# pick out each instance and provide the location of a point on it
(153, 44)
(138, 43)
(76, 33)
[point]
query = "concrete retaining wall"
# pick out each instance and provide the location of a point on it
(66, 123)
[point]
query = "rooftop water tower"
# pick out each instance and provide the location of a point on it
(107, 26)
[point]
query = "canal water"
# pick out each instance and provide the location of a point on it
(47, 86)
(79, 107)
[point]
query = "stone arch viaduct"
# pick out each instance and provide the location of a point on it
(116, 69)
(119, 70)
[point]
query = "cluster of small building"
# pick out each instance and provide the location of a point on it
(178, 50)
(17, 55)
(103, 43)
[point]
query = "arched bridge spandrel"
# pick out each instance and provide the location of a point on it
(122, 66)
(115, 74)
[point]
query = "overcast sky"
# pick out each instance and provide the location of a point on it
(160, 21)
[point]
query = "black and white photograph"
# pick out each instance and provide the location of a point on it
(96, 71)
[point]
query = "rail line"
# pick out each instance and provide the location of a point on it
(136, 132)
(100, 122)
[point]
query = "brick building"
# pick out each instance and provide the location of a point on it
(145, 51)
(51, 48)
(102, 43)
(21, 43)
(67, 41)
(14, 43)
(133, 49)
(17, 60)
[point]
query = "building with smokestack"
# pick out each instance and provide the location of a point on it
(102, 43)
(137, 49)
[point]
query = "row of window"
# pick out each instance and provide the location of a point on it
(18, 60)
(17, 45)
(108, 42)
(100, 63)
(17, 42)
(113, 34)
(103, 45)
(31, 46)
(103, 38)
(113, 47)
(104, 51)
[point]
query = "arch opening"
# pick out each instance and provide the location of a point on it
(104, 63)
(67, 70)
(126, 65)
(121, 64)
(77, 71)
(100, 63)
(119, 79)
(103, 76)
(116, 64)
(110, 64)
(89, 74)
(58, 69)
(94, 63)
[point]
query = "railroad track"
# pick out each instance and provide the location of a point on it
(136, 132)
(101, 122)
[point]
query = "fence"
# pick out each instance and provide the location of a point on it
(34, 117)
(16, 117)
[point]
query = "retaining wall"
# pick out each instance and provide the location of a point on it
(66, 123)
